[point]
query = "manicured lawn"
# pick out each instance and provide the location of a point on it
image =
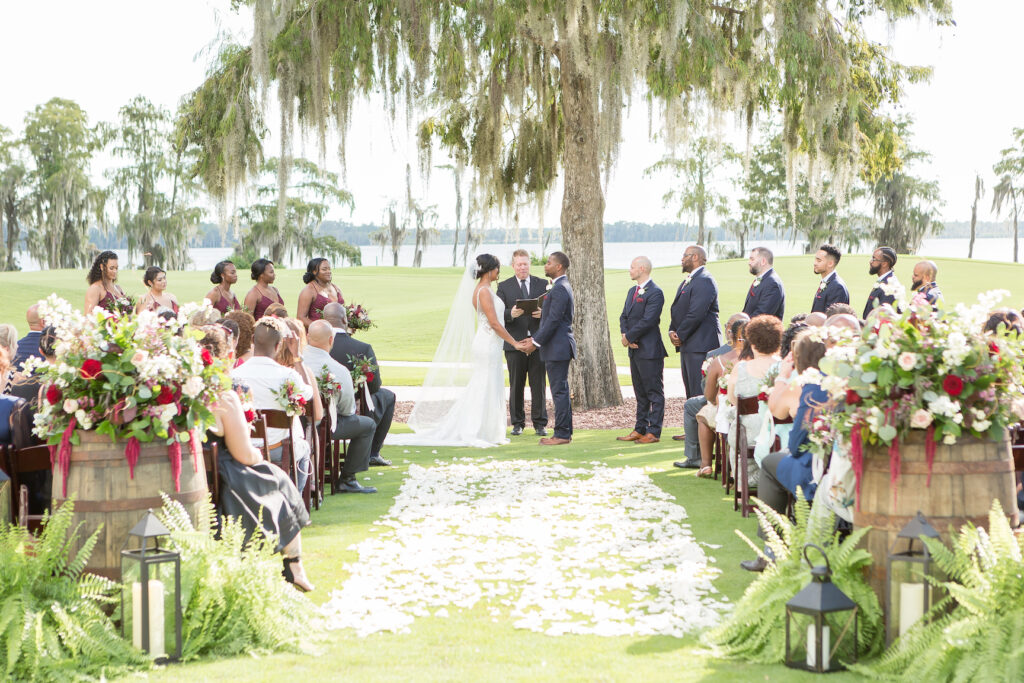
(411, 305)
(469, 645)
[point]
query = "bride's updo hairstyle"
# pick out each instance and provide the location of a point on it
(485, 263)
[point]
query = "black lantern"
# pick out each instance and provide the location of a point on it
(821, 623)
(908, 597)
(151, 591)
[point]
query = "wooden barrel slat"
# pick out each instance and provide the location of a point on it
(98, 477)
(965, 478)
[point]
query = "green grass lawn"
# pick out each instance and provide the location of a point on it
(411, 305)
(468, 645)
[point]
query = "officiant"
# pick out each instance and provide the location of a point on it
(521, 324)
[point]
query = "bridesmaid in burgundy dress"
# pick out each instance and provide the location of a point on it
(224, 275)
(263, 294)
(157, 297)
(318, 292)
(103, 289)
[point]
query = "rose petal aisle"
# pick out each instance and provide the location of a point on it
(555, 549)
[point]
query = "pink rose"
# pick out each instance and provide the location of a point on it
(920, 419)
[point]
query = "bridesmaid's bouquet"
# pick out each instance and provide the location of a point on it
(358, 318)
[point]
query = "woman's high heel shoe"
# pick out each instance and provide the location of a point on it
(289, 576)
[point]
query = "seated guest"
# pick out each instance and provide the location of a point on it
(357, 428)
(383, 400)
(28, 346)
(276, 311)
(259, 493)
(764, 335)
(1007, 317)
(231, 330)
(264, 376)
(243, 345)
(7, 404)
(290, 356)
(840, 309)
(816, 319)
(784, 471)
(694, 404)
(9, 346)
(714, 416)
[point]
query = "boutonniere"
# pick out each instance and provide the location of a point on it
(757, 281)
(686, 280)
(821, 286)
(550, 285)
(640, 291)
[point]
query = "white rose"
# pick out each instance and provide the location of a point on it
(982, 425)
(920, 419)
(907, 360)
(192, 387)
(70, 406)
(80, 415)
(949, 439)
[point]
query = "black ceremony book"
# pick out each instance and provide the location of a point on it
(529, 305)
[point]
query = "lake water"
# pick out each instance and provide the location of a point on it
(616, 254)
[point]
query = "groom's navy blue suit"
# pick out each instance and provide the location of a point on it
(557, 347)
(640, 323)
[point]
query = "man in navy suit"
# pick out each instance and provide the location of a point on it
(831, 289)
(639, 324)
(522, 285)
(883, 260)
(693, 328)
(766, 295)
(557, 345)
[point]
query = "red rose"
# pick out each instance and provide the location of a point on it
(762, 397)
(852, 397)
(207, 358)
(723, 391)
(166, 395)
(302, 402)
(90, 368)
(370, 376)
(250, 416)
(54, 394)
(993, 348)
(953, 385)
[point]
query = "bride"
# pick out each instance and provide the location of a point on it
(463, 399)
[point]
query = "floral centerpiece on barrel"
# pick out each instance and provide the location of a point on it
(135, 378)
(940, 375)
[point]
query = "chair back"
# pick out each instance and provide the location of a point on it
(258, 430)
(210, 454)
(23, 461)
(278, 419)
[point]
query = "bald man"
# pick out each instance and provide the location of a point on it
(347, 425)
(924, 287)
(694, 329)
(28, 346)
(640, 325)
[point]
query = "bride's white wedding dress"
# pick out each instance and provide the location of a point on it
(463, 401)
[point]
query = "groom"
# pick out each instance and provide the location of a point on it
(557, 345)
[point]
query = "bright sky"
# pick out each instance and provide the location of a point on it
(103, 54)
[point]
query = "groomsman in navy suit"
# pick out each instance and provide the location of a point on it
(557, 345)
(831, 289)
(766, 295)
(693, 327)
(640, 325)
(882, 263)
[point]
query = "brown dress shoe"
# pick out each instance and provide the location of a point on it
(633, 436)
(679, 437)
(648, 438)
(554, 441)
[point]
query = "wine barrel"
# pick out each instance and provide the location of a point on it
(98, 478)
(965, 478)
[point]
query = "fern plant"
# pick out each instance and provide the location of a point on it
(976, 631)
(52, 621)
(234, 599)
(756, 628)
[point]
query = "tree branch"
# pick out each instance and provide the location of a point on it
(553, 48)
(723, 8)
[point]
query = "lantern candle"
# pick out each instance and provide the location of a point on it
(156, 617)
(911, 605)
(812, 653)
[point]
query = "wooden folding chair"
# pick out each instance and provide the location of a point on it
(210, 454)
(258, 431)
(742, 491)
(21, 462)
(278, 419)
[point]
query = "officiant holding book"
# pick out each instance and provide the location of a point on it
(525, 289)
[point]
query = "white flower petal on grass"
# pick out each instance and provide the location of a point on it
(553, 549)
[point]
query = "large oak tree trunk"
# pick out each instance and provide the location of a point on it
(592, 381)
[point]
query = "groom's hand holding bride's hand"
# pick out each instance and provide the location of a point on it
(526, 346)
